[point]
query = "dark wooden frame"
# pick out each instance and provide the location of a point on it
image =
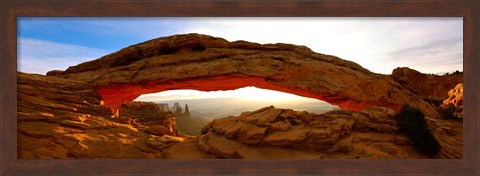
(10, 10)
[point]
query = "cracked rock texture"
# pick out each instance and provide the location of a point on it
(59, 118)
(283, 133)
(455, 96)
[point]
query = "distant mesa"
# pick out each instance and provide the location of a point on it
(206, 63)
(163, 107)
(178, 111)
(187, 124)
(177, 108)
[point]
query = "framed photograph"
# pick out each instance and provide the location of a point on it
(201, 87)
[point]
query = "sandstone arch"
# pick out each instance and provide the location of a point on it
(208, 63)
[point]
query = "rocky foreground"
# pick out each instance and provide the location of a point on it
(64, 118)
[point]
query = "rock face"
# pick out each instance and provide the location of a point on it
(206, 63)
(59, 118)
(455, 96)
(427, 85)
(284, 133)
(148, 116)
(452, 106)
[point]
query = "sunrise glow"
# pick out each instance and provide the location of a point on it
(246, 93)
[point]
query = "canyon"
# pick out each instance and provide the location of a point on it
(87, 111)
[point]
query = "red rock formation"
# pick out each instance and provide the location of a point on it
(61, 118)
(113, 95)
(455, 96)
(452, 107)
(427, 85)
(283, 133)
(207, 63)
(148, 116)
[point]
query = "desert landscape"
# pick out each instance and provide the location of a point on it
(88, 110)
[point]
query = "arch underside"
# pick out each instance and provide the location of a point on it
(115, 94)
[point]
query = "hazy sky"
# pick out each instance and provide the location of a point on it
(246, 93)
(429, 44)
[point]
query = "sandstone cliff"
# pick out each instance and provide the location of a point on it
(149, 117)
(59, 118)
(202, 62)
(427, 85)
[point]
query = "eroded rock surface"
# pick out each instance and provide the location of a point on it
(59, 118)
(147, 116)
(425, 84)
(206, 63)
(452, 106)
(284, 133)
(455, 96)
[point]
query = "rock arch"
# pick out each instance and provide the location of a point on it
(207, 63)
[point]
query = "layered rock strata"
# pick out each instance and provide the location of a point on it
(149, 117)
(59, 118)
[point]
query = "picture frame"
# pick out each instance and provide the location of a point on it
(11, 10)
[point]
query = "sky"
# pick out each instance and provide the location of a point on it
(380, 44)
(245, 93)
